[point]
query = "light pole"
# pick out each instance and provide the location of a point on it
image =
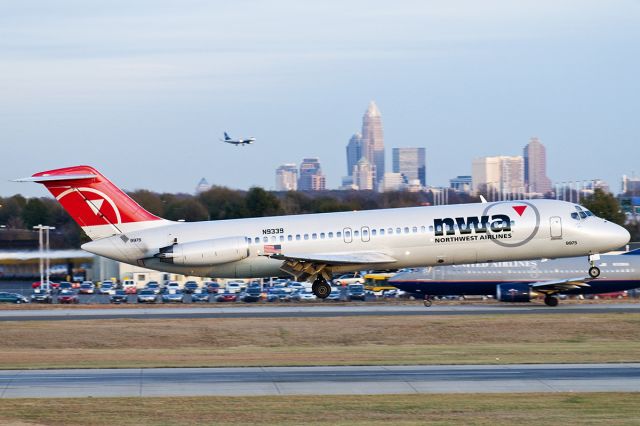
(45, 262)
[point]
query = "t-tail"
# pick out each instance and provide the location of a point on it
(226, 137)
(97, 205)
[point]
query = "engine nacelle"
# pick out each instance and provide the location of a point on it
(206, 252)
(513, 292)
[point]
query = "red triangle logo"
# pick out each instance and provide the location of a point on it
(519, 209)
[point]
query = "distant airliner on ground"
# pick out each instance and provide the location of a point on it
(237, 142)
(518, 281)
(313, 247)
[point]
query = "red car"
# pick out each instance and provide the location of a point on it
(51, 284)
(68, 297)
(227, 297)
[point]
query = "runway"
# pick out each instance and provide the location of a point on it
(297, 311)
(319, 380)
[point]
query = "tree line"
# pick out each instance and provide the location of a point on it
(219, 203)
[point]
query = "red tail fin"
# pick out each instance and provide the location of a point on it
(96, 204)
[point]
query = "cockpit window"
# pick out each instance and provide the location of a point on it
(575, 216)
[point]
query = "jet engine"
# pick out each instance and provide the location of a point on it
(206, 252)
(513, 292)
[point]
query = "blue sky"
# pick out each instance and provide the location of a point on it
(142, 90)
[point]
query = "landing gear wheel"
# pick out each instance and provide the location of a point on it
(321, 289)
(551, 301)
(594, 272)
(427, 302)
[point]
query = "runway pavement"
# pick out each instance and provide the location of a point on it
(320, 380)
(297, 311)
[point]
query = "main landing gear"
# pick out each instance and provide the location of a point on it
(594, 271)
(550, 300)
(427, 301)
(321, 288)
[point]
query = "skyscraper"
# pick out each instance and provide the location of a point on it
(373, 140)
(311, 177)
(287, 177)
(535, 167)
(411, 163)
(502, 174)
(363, 175)
(354, 152)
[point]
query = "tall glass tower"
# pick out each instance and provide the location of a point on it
(373, 140)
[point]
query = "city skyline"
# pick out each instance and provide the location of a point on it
(139, 89)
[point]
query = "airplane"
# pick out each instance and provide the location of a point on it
(314, 247)
(519, 281)
(237, 142)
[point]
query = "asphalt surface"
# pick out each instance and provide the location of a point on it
(320, 380)
(298, 311)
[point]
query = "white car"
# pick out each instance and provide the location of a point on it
(172, 286)
(346, 279)
(233, 287)
(307, 294)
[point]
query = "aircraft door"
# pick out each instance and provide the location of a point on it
(556, 227)
(346, 234)
(364, 232)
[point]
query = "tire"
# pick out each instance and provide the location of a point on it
(323, 290)
(551, 301)
(594, 272)
(427, 303)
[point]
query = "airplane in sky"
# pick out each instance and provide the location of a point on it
(237, 142)
(519, 281)
(314, 247)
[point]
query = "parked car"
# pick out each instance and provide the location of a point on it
(350, 278)
(227, 297)
(153, 286)
(295, 285)
(106, 287)
(212, 287)
(87, 287)
(13, 298)
(277, 295)
(171, 286)
(233, 287)
(131, 290)
(147, 296)
(190, 287)
(119, 296)
(41, 296)
(68, 296)
(38, 284)
(355, 292)
(252, 294)
(200, 296)
(306, 294)
(611, 295)
(335, 295)
(173, 296)
(65, 285)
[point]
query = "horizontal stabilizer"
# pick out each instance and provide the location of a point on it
(56, 178)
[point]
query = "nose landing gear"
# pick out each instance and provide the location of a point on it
(594, 271)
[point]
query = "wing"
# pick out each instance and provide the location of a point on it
(308, 266)
(558, 286)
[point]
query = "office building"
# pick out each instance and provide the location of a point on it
(535, 168)
(287, 177)
(461, 184)
(363, 175)
(410, 162)
(503, 174)
(354, 152)
(373, 140)
(392, 182)
(311, 177)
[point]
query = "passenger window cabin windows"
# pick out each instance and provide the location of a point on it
(356, 233)
(257, 240)
(273, 239)
(381, 231)
(347, 234)
(306, 236)
(339, 234)
(406, 229)
(415, 229)
(289, 237)
(265, 239)
(373, 232)
(390, 231)
(330, 234)
(322, 235)
(297, 237)
(281, 238)
(314, 236)
(398, 230)
(423, 229)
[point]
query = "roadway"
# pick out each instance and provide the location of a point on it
(319, 380)
(298, 311)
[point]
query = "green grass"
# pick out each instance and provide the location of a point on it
(465, 409)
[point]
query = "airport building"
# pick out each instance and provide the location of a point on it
(287, 177)
(410, 162)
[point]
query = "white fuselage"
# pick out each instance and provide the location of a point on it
(414, 237)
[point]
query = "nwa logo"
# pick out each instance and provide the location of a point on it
(472, 224)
